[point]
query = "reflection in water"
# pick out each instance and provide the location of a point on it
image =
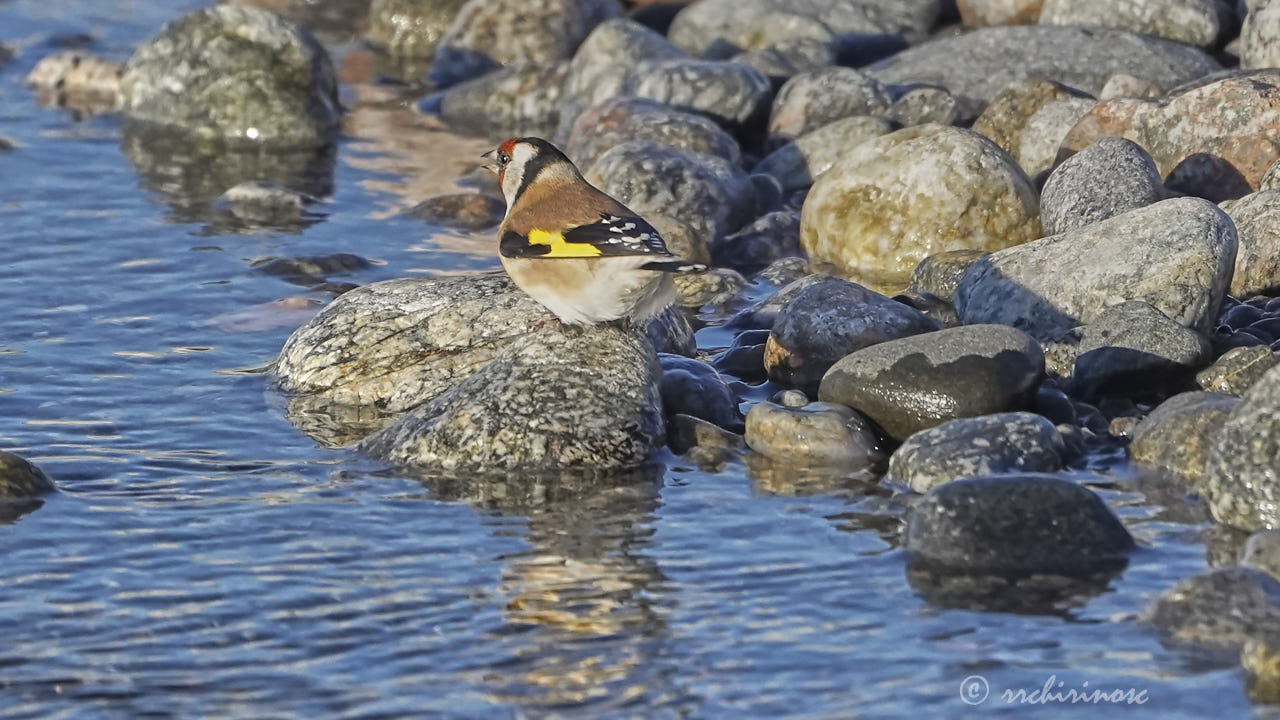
(190, 176)
(13, 508)
(577, 600)
(1029, 595)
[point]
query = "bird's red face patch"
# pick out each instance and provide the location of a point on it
(505, 150)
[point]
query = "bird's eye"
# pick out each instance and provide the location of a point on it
(504, 158)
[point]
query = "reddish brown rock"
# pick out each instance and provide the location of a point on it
(985, 13)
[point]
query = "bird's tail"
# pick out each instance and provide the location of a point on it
(674, 266)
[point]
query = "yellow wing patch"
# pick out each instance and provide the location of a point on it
(560, 248)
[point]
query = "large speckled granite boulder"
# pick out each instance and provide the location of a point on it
(1177, 255)
(1193, 22)
(913, 383)
(490, 33)
(1257, 219)
(1242, 477)
(1175, 438)
(411, 28)
(558, 399)
(238, 74)
(976, 66)
(892, 201)
(21, 479)
(1232, 121)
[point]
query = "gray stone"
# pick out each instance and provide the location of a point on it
(1194, 22)
(1237, 370)
(563, 398)
(749, 24)
(924, 104)
(787, 58)
(614, 122)
(1176, 255)
(731, 94)
(1221, 608)
(811, 100)
(509, 102)
(1242, 477)
(1044, 132)
(1016, 525)
(411, 28)
(709, 194)
(1006, 118)
(21, 479)
(235, 74)
(1260, 37)
(486, 34)
(894, 200)
(913, 383)
(1133, 348)
(386, 348)
(1262, 552)
(767, 239)
(1257, 220)
(1108, 178)
(1175, 438)
(828, 320)
(939, 274)
(976, 66)
(1123, 85)
(796, 164)
(692, 387)
(814, 434)
(970, 447)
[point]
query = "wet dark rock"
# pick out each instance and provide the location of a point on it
(1257, 220)
(828, 320)
(922, 105)
(1262, 552)
(1193, 22)
(783, 60)
(744, 359)
(815, 434)
(601, 69)
(764, 312)
(785, 270)
(931, 305)
(1219, 609)
(312, 268)
(713, 287)
(1176, 255)
(972, 447)
(266, 203)
(809, 101)
(508, 102)
(1242, 476)
(909, 384)
(768, 238)
(392, 346)
(1175, 438)
(1133, 348)
(894, 200)
(615, 122)
(1225, 340)
(692, 387)
(709, 194)
(1054, 404)
(733, 95)
(1016, 525)
(1237, 370)
(714, 443)
(20, 479)
(487, 34)
(749, 24)
(796, 164)
(939, 274)
(467, 211)
(411, 28)
(235, 74)
(562, 398)
(976, 66)
(1240, 316)
(1231, 118)
(1106, 179)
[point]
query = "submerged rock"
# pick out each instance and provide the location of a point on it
(813, 434)
(1242, 476)
(977, 446)
(1175, 438)
(894, 200)
(1016, 525)
(1222, 608)
(1176, 255)
(237, 74)
(828, 320)
(21, 479)
(913, 383)
(561, 398)
(1108, 178)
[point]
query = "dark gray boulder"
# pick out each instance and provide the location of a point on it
(1133, 348)
(1110, 177)
(972, 447)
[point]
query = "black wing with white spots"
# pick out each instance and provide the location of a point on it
(619, 235)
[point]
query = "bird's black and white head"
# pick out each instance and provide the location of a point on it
(519, 161)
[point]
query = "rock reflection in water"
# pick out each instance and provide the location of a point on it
(189, 176)
(1031, 594)
(577, 601)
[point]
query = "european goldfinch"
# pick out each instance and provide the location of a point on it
(571, 247)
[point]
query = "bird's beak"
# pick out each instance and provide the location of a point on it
(492, 165)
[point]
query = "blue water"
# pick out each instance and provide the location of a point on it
(204, 558)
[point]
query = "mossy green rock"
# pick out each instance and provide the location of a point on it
(19, 478)
(897, 199)
(234, 73)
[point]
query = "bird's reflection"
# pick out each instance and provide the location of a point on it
(577, 603)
